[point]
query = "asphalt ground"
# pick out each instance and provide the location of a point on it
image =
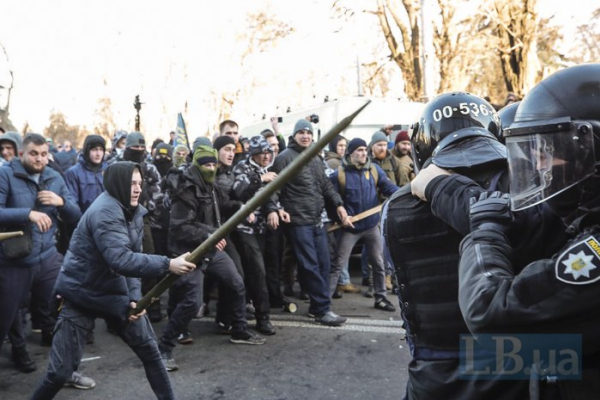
(364, 359)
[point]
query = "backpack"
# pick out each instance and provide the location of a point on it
(342, 177)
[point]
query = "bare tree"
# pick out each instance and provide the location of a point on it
(59, 130)
(587, 38)
(6, 86)
(405, 45)
(104, 124)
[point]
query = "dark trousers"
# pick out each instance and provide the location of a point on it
(69, 340)
(231, 308)
(252, 250)
(15, 282)
(42, 291)
(309, 243)
(183, 306)
(273, 257)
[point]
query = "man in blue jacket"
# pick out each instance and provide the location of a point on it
(84, 179)
(99, 278)
(32, 198)
(360, 182)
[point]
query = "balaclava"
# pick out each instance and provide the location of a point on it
(204, 155)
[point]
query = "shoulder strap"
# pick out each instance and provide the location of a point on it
(374, 172)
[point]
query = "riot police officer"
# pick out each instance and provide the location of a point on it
(458, 131)
(552, 146)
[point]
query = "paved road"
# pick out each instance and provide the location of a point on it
(364, 359)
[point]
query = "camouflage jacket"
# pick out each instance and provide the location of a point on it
(247, 182)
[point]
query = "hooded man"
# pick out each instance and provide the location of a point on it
(337, 150)
(180, 153)
(10, 146)
(99, 278)
(84, 179)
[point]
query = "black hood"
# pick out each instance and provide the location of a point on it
(117, 182)
(90, 142)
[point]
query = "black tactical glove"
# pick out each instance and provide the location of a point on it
(490, 211)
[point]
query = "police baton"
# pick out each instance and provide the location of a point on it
(255, 202)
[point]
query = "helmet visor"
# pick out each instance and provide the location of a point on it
(542, 165)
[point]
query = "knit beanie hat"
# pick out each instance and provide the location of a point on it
(204, 155)
(378, 137)
(355, 144)
(259, 145)
(201, 141)
(135, 139)
(402, 136)
(223, 141)
(164, 149)
(301, 125)
(334, 142)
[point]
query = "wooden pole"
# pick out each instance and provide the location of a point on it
(357, 217)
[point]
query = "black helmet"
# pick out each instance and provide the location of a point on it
(507, 116)
(551, 140)
(459, 113)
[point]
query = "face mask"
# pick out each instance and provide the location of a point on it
(207, 174)
(137, 156)
(163, 166)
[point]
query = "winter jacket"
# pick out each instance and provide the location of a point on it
(102, 268)
(197, 209)
(66, 159)
(304, 195)
(84, 183)
(247, 182)
(361, 192)
(333, 159)
(18, 196)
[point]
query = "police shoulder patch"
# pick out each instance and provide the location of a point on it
(580, 263)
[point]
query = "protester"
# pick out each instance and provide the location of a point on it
(99, 279)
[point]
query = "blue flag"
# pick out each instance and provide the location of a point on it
(181, 136)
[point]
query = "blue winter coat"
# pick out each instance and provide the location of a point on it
(84, 184)
(18, 196)
(360, 193)
(103, 265)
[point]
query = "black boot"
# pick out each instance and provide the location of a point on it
(264, 326)
(22, 361)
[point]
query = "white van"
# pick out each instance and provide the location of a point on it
(379, 112)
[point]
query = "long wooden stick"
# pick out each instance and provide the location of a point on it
(357, 217)
(258, 200)
(9, 235)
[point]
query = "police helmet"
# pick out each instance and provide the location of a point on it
(507, 116)
(451, 118)
(551, 142)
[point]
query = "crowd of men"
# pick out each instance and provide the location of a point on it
(489, 226)
(70, 205)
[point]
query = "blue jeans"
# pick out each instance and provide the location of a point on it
(309, 244)
(69, 340)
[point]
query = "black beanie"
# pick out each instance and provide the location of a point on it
(355, 144)
(223, 141)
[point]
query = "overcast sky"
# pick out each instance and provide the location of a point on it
(66, 54)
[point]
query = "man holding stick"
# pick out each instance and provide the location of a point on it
(359, 182)
(100, 278)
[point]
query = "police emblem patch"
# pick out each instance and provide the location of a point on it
(580, 263)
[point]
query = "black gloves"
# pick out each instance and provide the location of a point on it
(490, 211)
